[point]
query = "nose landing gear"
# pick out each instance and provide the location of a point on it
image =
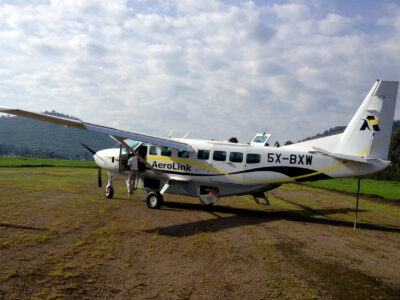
(109, 192)
(109, 187)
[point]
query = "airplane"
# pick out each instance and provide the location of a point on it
(210, 169)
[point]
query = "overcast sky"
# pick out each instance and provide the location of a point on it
(216, 68)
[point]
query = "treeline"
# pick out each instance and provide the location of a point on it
(13, 150)
(57, 114)
(392, 172)
(32, 138)
(332, 131)
(340, 129)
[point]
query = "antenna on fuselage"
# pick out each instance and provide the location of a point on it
(170, 133)
(186, 134)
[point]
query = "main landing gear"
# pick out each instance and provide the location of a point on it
(262, 196)
(154, 199)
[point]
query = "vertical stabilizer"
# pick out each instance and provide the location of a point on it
(369, 132)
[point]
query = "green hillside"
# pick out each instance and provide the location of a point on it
(27, 137)
(340, 129)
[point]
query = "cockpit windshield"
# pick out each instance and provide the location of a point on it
(260, 139)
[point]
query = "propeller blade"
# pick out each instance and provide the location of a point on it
(90, 150)
(99, 183)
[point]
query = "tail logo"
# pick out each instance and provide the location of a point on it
(370, 122)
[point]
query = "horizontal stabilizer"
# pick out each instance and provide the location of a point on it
(340, 156)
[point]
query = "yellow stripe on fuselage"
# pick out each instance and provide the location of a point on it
(184, 161)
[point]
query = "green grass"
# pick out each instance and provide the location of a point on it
(389, 190)
(14, 162)
(82, 245)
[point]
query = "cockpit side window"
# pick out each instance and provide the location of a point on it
(153, 150)
(123, 150)
(132, 144)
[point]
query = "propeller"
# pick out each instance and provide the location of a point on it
(99, 181)
(90, 150)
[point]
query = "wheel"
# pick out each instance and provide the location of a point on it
(154, 200)
(109, 192)
(145, 193)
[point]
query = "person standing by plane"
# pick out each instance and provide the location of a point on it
(133, 170)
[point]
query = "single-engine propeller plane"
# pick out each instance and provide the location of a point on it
(210, 169)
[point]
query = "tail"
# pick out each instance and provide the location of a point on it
(369, 132)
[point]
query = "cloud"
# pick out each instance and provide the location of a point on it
(334, 24)
(216, 68)
(292, 12)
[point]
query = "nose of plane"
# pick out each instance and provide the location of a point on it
(98, 158)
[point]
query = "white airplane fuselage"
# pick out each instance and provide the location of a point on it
(236, 168)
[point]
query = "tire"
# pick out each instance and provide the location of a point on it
(154, 200)
(109, 192)
(145, 193)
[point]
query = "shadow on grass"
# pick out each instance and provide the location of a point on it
(22, 227)
(243, 217)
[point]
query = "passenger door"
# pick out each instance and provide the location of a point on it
(142, 151)
(252, 164)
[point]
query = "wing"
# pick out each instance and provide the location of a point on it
(98, 128)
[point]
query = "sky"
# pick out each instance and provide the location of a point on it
(215, 68)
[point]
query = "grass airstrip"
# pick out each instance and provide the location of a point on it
(18, 162)
(60, 238)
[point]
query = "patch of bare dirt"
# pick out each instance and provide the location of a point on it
(120, 249)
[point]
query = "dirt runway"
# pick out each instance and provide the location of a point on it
(61, 239)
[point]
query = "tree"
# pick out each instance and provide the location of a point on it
(233, 140)
(394, 153)
(394, 150)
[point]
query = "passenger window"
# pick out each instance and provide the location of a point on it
(219, 155)
(153, 150)
(165, 151)
(203, 154)
(253, 158)
(236, 157)
(183, 154)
